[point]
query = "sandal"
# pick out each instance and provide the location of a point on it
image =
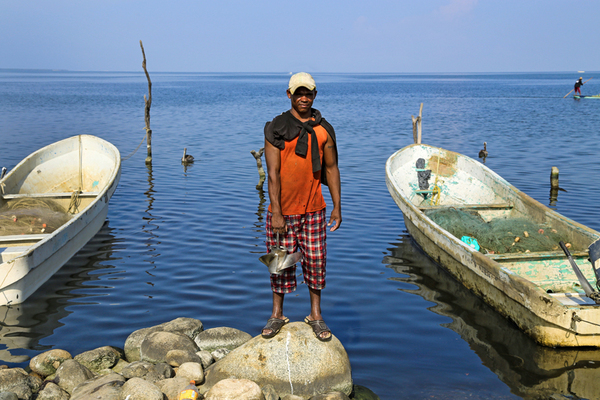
(319, 327)
(275, 325)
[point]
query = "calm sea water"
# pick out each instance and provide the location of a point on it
(185, 241)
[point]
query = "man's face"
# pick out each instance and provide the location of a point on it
(302, 99)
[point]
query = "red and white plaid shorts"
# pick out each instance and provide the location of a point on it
(306, 233)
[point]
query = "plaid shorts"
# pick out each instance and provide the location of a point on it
(305, 233)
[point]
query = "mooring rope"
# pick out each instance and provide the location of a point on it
(137, 148)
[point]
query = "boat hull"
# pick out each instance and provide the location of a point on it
(85, 162)
(540, 314)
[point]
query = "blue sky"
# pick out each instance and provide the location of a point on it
(316, 36)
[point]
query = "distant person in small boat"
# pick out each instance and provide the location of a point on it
(578, 85)
(301, 153)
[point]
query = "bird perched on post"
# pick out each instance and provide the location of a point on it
(187, 158)
(483, 153)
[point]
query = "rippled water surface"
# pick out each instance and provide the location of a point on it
(185, 241)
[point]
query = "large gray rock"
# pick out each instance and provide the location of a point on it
(99, 359)
(52, 391)
(186, 326)
(293, 362)
(8, 396)
(140, 389)
(17, 381)
(47, 363)
(71, 374)
(221, 338)
(105, 387)
(156, 346)
(235, 389)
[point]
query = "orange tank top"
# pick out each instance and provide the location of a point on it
(300, 187)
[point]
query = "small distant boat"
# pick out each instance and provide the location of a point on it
(577, 96)
(441, 192)
(51, 204)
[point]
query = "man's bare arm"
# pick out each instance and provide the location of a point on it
(333, 180)
(273, 159)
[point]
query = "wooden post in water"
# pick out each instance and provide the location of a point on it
(148, 102)
(416, 121)
(553, 185)
(261, 172)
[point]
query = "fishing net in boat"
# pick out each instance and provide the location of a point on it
(503, 235)
(29, 216)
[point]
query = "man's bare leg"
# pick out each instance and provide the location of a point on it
(277, 309)
(315, 309)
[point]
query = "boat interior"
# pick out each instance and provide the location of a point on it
(512, 229)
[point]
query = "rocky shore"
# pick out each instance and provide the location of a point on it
(156, 363)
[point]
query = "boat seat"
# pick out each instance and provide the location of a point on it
(491, 206)
(47, 195)
(573, 299)
(534, 256)
(8, 253)
(16, 240)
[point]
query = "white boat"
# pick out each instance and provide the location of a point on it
(62, 192)
(537, 289)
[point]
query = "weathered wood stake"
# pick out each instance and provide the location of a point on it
(416, 121)
(554, 178)
(554, 186)
(261, 172)
(148, 102)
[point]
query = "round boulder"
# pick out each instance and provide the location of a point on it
(235, 389)
(192, 372)
(156, 346)
(47, 363)
(99, 359)
(293, 362)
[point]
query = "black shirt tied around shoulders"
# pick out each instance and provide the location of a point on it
(286, 127)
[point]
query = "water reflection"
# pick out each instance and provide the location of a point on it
(149, 226)
(530, 370)
(259, 224)
(23, 326)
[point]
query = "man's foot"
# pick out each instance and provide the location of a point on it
(273, 327)
(320, 329)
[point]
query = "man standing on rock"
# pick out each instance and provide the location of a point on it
(301, 153)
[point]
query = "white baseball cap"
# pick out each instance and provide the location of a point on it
(301, 79)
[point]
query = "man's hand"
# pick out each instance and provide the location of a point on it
(336, 216)
(278, 223)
